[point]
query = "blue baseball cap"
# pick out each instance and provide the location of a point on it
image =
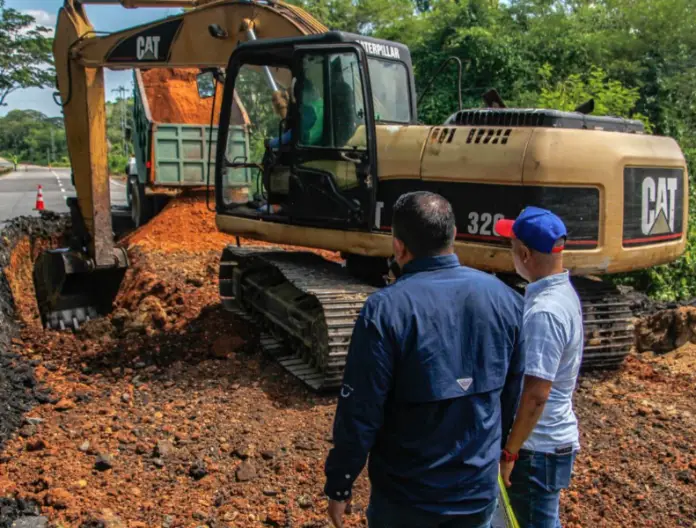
(538, 229)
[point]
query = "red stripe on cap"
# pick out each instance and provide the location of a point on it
(504, 228)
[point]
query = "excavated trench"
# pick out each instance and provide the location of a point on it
(166, 414)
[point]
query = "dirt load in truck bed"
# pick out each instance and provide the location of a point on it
(167, 414)
(173, 96)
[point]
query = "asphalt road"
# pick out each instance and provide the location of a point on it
(18, 191)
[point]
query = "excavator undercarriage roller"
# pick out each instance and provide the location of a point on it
(71, 289)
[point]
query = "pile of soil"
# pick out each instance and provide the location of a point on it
(186, 224)
(20, 239)
(637, 466)
(666, 330)
(173, 96)
(167, 413)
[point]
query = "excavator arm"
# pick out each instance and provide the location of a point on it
(77, 284)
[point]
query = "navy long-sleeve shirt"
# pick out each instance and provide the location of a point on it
(431, 385)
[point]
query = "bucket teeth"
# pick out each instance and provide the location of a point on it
(71, 290)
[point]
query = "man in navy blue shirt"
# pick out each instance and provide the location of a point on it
(431, 384)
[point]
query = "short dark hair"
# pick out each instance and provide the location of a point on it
(424, 222)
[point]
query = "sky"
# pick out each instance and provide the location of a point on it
(103, 18)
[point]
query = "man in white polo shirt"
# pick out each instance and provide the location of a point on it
(537, 461)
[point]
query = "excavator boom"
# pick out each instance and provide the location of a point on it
(203, 37)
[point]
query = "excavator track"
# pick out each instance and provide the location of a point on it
(608, 322)
(306, 308)
(305, 305)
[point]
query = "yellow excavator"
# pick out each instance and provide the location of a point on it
(335, 141)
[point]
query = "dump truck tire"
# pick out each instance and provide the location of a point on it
(141, 204)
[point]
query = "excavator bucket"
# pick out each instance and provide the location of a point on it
(71, 290)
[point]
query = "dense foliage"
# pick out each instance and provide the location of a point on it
(28, 136)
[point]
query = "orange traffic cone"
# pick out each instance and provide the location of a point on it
(39, 200)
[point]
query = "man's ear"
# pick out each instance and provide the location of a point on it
(526, 253)
(399, 248)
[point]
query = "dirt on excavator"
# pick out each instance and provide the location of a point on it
(166, 413)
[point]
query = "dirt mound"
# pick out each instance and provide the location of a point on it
(666, 330)
(186, 224)
(19, 390)
(173, 96)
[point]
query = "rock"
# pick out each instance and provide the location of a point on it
(243, 452)
(198, 470)
(27, 431)
(36, 444)
(30, 420)
(304, 502)
(199, 516)
(245, 472)
(158, 462)
(268, 455)
(30, 522)
(163, 449)
(141, 448)
(270, 493)
(306, 446)
(125, 397)
(65, 405)
(226, 345)
(119, 318)
(195, 281)
(685, 476)
(103, 462)
(58, 498)
(168, 521)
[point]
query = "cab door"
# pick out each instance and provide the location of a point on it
(333, 163)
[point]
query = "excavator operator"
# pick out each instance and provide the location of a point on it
(311, 117)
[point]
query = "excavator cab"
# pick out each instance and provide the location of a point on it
(313, 155)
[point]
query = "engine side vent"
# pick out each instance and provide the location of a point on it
(493, 136)
(541, 118)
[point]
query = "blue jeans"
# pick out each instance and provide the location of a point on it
(381, 513)
(537, 480)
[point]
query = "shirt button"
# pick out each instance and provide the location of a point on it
(347, 493)
(347, 476)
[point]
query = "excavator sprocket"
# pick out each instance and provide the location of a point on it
(306, 305)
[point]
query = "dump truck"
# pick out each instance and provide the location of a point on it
(172, 140)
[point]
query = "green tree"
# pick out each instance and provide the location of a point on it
(610, 96)
(25, 53)
(33, 137)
